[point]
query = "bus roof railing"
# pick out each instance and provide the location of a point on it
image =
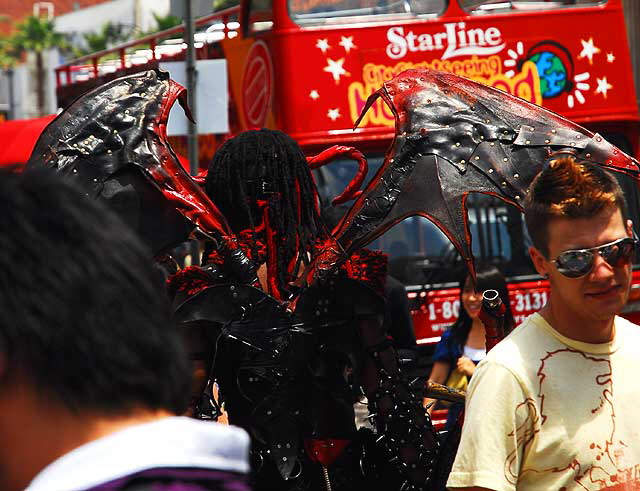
(92, 60)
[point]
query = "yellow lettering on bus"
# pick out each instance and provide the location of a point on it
(487, 70)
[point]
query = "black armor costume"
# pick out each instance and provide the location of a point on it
(290, 371)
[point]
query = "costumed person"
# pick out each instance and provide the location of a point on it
(291, 378)
(462, 346)
(554, 406)
(92, 370)
(287, 355)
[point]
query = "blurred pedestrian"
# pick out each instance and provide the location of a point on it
(92, 372)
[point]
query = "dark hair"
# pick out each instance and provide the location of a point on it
(567, 188)
(488, 277)
(267, 167)
(82, 311)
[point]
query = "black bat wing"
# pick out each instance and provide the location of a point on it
(453, 137)
(109, 141)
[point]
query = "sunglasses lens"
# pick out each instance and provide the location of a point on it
(577, 263)
(574, 264)
(618, 254)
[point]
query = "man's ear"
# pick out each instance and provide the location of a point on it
(539, 261)
(630, 228)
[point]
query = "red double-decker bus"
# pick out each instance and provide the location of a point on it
(307, 67)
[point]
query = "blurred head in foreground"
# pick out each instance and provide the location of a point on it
(85, 332)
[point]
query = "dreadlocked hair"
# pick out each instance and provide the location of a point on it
(266, 168)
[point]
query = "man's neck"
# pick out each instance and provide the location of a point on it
(573, 326)
(35, 433)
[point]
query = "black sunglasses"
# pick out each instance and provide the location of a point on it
(579, 262)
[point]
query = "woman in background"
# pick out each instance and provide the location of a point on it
(462, 346)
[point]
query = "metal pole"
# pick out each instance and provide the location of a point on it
(192, 77)
(12, 100)
(137, 15)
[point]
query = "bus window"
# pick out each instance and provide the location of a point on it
(260, 18)
(488, 6)
(419, 253)
(321, 11)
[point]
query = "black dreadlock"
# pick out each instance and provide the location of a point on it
(260, 166)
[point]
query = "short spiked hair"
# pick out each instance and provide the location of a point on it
(569, 188)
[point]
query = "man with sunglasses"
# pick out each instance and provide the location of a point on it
(554, 406)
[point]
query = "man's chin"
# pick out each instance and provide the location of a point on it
(606, 307)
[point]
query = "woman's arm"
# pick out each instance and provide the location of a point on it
(466, 366)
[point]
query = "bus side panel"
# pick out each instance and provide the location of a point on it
(575, 63)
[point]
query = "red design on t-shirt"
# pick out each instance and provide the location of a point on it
(603, 469)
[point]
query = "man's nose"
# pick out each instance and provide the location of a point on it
(601, 269)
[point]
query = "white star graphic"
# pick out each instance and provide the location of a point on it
(588, 50)
(603, 86)
(333, 114)
(314, 94)
(336, 69)
(347, 43)
(323, 45)
(610, 57)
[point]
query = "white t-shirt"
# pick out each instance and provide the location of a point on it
(474, 354)
(548, 413)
